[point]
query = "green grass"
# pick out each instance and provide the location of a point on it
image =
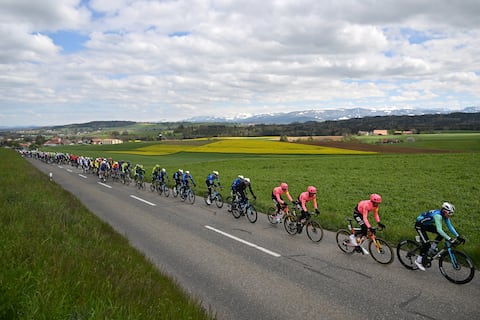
(59, 261)
(465, 142)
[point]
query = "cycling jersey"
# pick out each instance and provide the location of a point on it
(435, 217)
(304, 197)
(277, 195)
(363, 208)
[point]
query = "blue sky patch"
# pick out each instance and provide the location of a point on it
(70, 41)
(179, 34)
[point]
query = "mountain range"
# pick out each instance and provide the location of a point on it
(326, 115)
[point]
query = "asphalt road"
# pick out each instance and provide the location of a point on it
(241, 270)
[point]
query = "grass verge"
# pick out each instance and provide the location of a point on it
(59, 261)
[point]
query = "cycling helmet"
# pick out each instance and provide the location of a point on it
(240, 176)
(247, 180)
(163, 170)
(180, 170)
(187, 172)
(284, 186)
(312, 189)
(450, 208)
(215, 173)
(375, 198)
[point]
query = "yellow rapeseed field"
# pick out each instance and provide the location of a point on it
(251, 146)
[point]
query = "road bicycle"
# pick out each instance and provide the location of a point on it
(378, 248)
(154, 185)
(214, 197)
(241, 208)
(186, 193)
(454, 265)
(163, 189)
(125, 178)
(272, 214)
(140, 182)
(313, 228)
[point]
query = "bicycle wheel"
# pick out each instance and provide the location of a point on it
(166, 191)
(152, 187)
(143, 186)
(343, 241)
(407, 253)
(219, 200)
(271, 215)
(175, 191)
(456, 267)
(380, 251)
(159, 190)
(290, 224)
(251, 213)
(314, 231)
(191, 196)
(206, 198)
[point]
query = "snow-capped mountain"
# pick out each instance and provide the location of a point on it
(326, 115)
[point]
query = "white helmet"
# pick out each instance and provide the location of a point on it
(247, 180)
(163, 170)
(215, 173)
(448, 207)
(240, 176)
(187, 172)
(180, 170)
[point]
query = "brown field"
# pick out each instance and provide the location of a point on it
(380, 148)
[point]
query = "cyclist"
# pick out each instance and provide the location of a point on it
(155, 172)
(125, 169)
(278, 200)
(163, 176)
(177, 176)
(210, 182)
(103, 168)
(185, 178)
(236, 182)
(431, 221)
(360, 214)
(242, 190)
(303, 198)
(139, 173)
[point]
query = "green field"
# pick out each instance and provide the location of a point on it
(464, 142)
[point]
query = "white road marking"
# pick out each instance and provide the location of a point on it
(69, 170)
(81, 175)
(244, 242)
(105, 185)
(145, 201)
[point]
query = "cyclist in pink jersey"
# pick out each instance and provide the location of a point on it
(278, 200)
(360, 214)
(303, 198)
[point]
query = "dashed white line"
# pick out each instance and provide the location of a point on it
(105, 185)
(145, 201)
(81, 175)
(69, 170)
(244, 242)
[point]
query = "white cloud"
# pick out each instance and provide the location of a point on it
(169, 60)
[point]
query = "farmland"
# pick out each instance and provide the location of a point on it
(409, 183)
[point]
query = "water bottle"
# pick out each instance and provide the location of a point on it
(417, 238)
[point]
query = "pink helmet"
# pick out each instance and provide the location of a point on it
(376, 198)
(284, 186)
(312, 189)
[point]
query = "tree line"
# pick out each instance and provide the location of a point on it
(419, 124)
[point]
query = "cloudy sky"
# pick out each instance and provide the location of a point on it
(72, 61)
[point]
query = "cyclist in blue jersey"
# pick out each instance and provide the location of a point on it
(163, 176)
(210, 182)
(431, 221)
(236, 182)
(187, 177)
